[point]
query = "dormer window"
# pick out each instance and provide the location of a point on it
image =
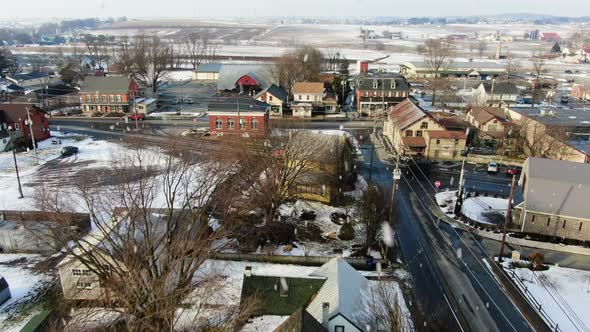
(375, 84)
(392, 84)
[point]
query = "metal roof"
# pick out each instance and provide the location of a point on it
(458, 65)
(406, 113)
(105, 84)
(237, 104)
(556, 187)
(560, 116)
(229, 75)
(209, 68)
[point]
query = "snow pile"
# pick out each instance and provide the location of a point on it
(563, 293)
(446, 201)
(25, 284)
(264, 323)
(479, 208)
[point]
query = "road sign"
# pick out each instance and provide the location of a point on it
(437, 184)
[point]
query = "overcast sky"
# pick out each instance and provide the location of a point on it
(195, 8)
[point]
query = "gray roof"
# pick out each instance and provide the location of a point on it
(30, 76)
(556, 187)
(229, 74)
(342, 290)
(236, 104)
(367, 81)
(500, 88)
(209, 68)
(570, 117)
(276, 91)
(105, 84)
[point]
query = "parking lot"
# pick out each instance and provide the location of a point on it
(186, 96)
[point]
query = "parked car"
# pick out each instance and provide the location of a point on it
(55, 140)
(568, 72)
(565, 99)
(138, 116)
(176, 101)
(188, 100)
(69, 151)
(492, 167)
(511, 171)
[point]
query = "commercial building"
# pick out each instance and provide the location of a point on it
(377, 92)
(477, 70)
(108, 94)
(238, 115)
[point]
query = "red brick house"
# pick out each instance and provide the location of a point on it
(108, 94)
(238, 115)
(15, 116)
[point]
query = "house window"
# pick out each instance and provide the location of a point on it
(436, 153)
(230, 123)
(104, 98)
(119, 99)
(81, 272)
(88, 98)
(366, 93)
(437, 141)
(389, 94)
(580, 227)
(533, 219)
(424, 125)
(96, 99)
(375, 84)
(254, 124)
(218, 123)
(112, 98)
(307, 96)
(409, 133)
(242, 124)
(374, 93)
(548, 221)
(299, 97)
(492, 127)
(418, 133)
(339, 328)
(392, 85)
(16, 126)
(269, 98)
(456, 141)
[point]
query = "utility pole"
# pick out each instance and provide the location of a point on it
(508, 214)
(31, 130)
(461, 187)
(20, 189)
(396, 176)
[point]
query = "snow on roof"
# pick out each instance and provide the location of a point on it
(342, 290)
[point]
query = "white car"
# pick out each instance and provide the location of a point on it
(492, 167)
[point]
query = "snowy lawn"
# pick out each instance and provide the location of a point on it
(481, 209)
(25, 283)
(556, 289)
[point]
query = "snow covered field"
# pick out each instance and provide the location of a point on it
(563, 293)
(25, 284)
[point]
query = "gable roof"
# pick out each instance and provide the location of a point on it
(485, 114)
(342, 290)
(105, 84)
(274, 90)
(301, 321)
(383, 82)
(237, 103)
(230, 74)
(501, 88)
(308, 87)
(556, 187)
(16, 112)
(29, 76)
(406, 113)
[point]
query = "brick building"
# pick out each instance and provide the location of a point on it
(108, 94)
(376, 92)
(238, 115)
(15, 116)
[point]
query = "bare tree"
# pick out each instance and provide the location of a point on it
(371, 211)
(302, 64)
(151, 233)
(197, 46)
(271, 168)
(147, 60)
(538, 67)
(539, 140)
(437, 53)
(512, 66)
(382, 311)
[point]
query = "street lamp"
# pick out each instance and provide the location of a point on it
(11, 133)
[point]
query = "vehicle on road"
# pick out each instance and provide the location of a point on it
(569, 72)
(69, 151)
(138, 116)
(565, 99)
(511, 171)
(55, 140)
(188, 100)
(493, 167)
(176, 101)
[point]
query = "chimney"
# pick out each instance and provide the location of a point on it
(248, 271)
(325, 314)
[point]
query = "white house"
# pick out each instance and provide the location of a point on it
(492, 94)
(308, 92)
(33, 79)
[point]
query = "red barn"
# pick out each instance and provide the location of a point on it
(15, 116)
(238, 115)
